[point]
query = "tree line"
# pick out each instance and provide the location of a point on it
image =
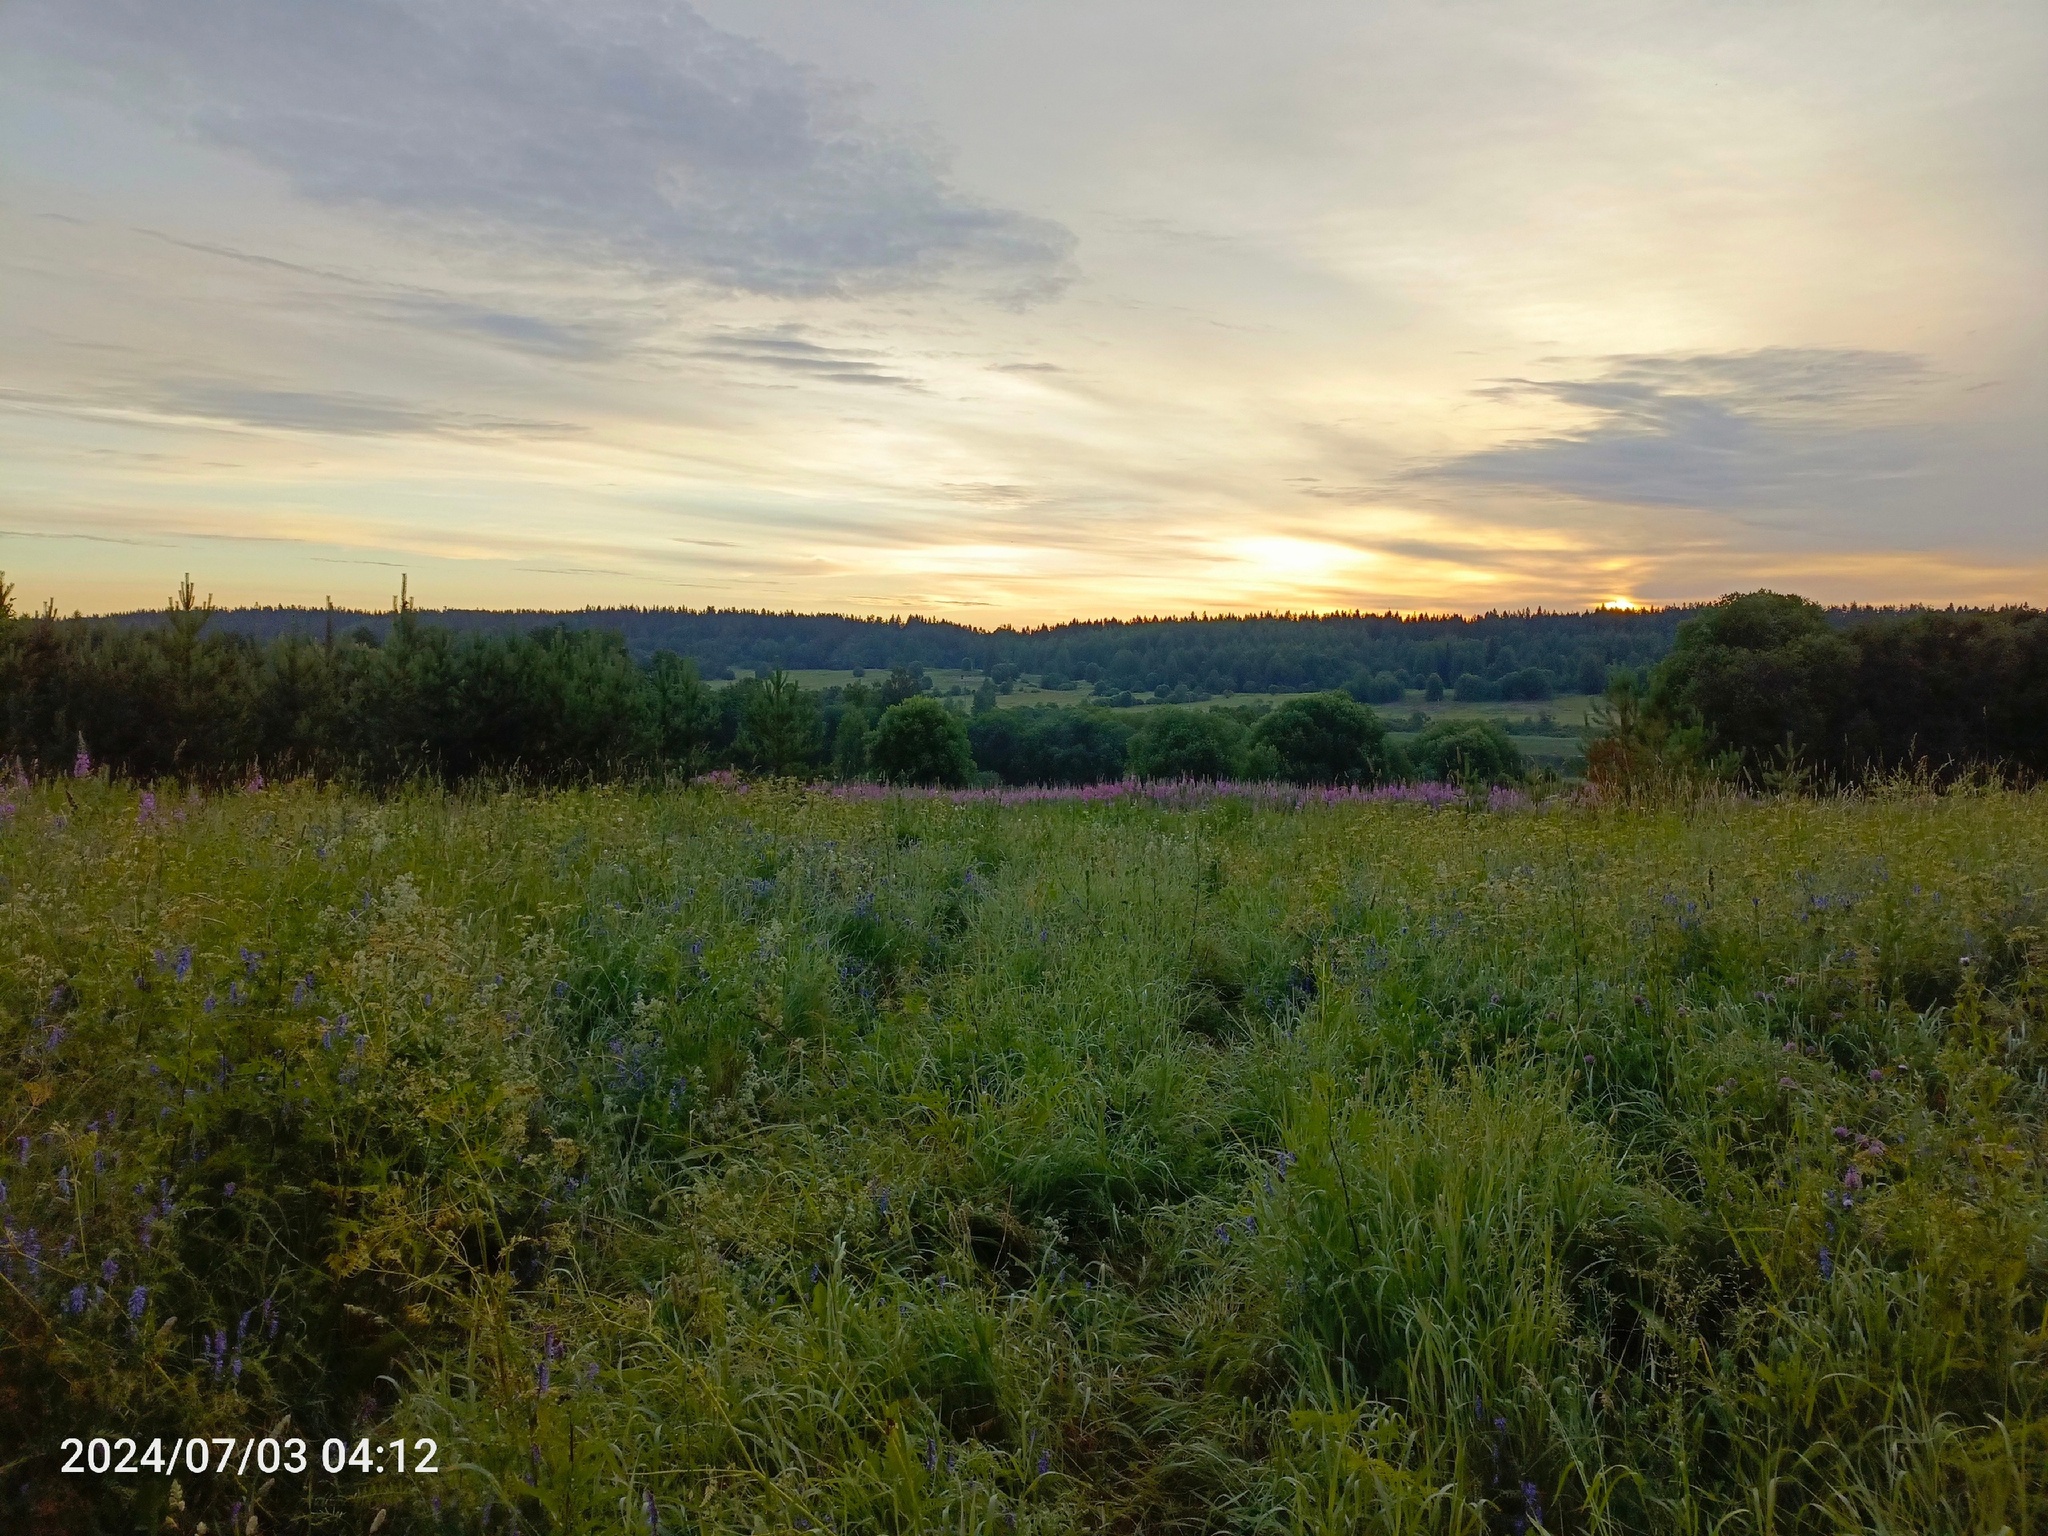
(1768, 690)
(1521, 655)
(187, 698)
(1762, 688)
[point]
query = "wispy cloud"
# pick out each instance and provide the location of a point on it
(785, 349)
(1726, 432)
(630, 131)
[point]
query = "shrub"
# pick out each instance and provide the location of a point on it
(1467, 751)
(1325, 738)
(920, 741)
(1174, 743)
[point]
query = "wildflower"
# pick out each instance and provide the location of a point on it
(1877, 1074)
(1223, 1236)
(138, 1299)
(64, 1181)
(1841, 1133)
(145, 810)
(1852, 1178)
(109, 1268)
(22, 1143)
(1827, 1265)
(1532, 1502)
(1786, 1082)
(184, 962)
(1251, 1224)
(931, 1454)
(255, 784)
(81, 765)
(1044, 1462)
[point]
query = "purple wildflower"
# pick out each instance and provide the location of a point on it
(75, 1302)
(1044, 1462)
(109, 1269)
(81, 765)
(138, 1299)
(145, 810)
(1852, 1178)
(1827, 1265)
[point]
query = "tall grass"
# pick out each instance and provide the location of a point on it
(753, 1159)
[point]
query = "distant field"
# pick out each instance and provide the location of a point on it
(1567, 709)
(748, 1158)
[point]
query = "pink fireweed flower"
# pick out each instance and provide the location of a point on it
(81, 765)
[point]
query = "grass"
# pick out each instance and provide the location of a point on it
(736, 1159)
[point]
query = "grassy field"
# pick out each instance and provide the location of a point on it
(737, 1159)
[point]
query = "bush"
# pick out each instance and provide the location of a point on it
(1048, 744)
(1325, 738)
(1374, 687)
(920, 741)
(1529, 683)
(1763, 673)
(1467, 752)
(1433, 689)
(1175, 743)
(1474, 689)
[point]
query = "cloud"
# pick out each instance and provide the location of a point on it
(336, 414)
(629, 132)
(783, 348)
(1736, 432)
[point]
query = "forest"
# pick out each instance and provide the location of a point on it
(1756, 687)
(1262, 653)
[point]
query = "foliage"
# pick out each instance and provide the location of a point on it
(1467, 751)
(768, 1159)
(1048, 744)
(779, 727)
(920, 741)
(1205, 656)
(1325, 738)
(1772, 687)
(1762, 672)
(1173, 743)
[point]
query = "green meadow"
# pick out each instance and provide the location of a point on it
(753, 1158)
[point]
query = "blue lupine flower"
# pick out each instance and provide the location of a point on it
(138, 1299)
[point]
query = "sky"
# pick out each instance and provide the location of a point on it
(1019, 312)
